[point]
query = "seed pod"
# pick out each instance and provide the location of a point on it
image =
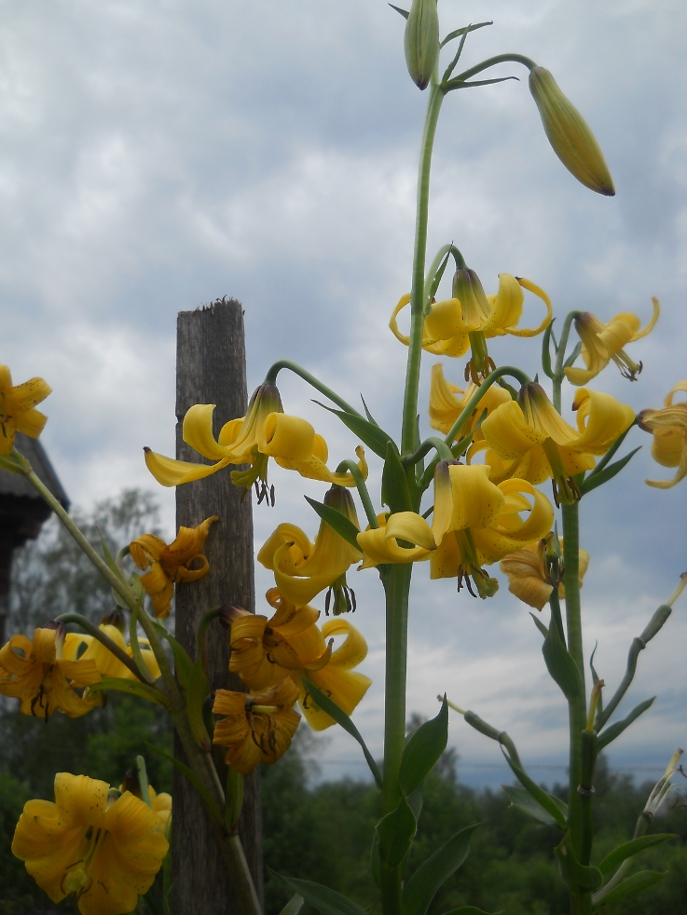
(569, 135)
(422, 41)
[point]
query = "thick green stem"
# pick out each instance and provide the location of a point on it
(485, 65)
(396, 581)
(577, 707)
(417, 293)
(558, 372)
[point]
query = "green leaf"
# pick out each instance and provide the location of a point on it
(607, 473)
(327, 901)
(553, 805)
(369, 433)
(343, 526)
(540, 626)
(195, 781)
(642, 880)
(398, 9)
(435, 871)
(561, 664)
(196, 692)
(422, 751)
(395, 492)
(458, 32)
(633, 847)
(615, 730)
(293, 906)
(367, 412)
(576, 876)
(395, 833)
(577, 349)
(333, 710)
(546, 350)
(133, 688)
(524, 801)
(467, 910)
(182, 661)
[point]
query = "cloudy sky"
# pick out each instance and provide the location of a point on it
(158, 154)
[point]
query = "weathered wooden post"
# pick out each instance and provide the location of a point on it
(211, 368)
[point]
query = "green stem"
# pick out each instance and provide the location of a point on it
(362, 490)
(417, 297)
(577, 707)
(469, 408)
(120, 586)
(486, 64)
(558, 372)
(443, 451)
(143, 781)
(111, 646)
(273, 372)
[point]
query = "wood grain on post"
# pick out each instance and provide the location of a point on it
(211, 368)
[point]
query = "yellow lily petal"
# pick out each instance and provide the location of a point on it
(169, 472)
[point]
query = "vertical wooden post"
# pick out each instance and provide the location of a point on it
(211, 368)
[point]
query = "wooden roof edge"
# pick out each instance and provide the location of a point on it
(15, 485)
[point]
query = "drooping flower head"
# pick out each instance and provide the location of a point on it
(265, 432)
(528, 438)
(470, 317)
(17, 412)
(602, 343)
(103, 847)
(256, 727)
(302, 569)
(171, 563)
(669, 428)
(475, 523)
(445, 406)
(530, 576)
(35, 671)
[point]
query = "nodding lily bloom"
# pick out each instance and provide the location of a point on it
(170, 563)
(264, 651)
(528, 577)
(290, 644)
(162, 806)
(265, 431)
(302, 569)
(452, 326)
(445, 406)
(107, 664)
(530, 440)
(17, 412)
(475, 523)
(104, 847)
(669, 428)
(602, 343)
(256, 727)
(35, 671)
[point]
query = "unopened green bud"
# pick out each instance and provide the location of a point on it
(422, 41)
(569, 135)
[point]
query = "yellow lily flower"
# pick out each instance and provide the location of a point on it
(17, 412)
(35, 671)
(256, 727)
(302, 569)
(265, 431)
(105, 849)
(530, 440)
(669, 428)
(445, 407)
(604, 342)
(453, 325)
(475, 523)
(170, 563)
(162, 806)
(528, 579)
(264, 651)
(108, 665)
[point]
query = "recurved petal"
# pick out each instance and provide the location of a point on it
(345, 687)
(393, 323)
(30, 422)
(169, 472)
(30, 393)
(197, 432)
(445, 320)
(532, 591)
(506, 306)
(353, 651)
(412, 527)
(81, 800)
(287, 437)
(601, 419)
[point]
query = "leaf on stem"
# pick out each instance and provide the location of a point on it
(183, 664)
(421, 753)
(133, 688)
(327, 901)
(343, 526)
(634, 884)
(195, 781)
(197, 691)
(369, 433)
(576, 876)
(395, 833)
(293, 906)
(333, 710)
(524, 801)
(631, 848)
(435, 871)
(553, 805)
(615, 730)
(561, 664)
(395, 492)
(598, 479)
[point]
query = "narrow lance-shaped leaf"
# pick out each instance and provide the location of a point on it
(327, 901)
(424, 747)
(395, 833)
(343, 526)
(395, 492)
(561, 664)
(607, 473)
(369, 434)
(557, 808)
(615, 730)
(631, 848)
(576, 876)
(133, 688)
(435, 871)
(523, 800)
(634, 884)
(333, 710)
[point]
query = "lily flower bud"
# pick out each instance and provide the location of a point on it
(569, 134)
(422, 41)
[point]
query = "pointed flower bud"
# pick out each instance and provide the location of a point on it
(422, 41)
(569, 134)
